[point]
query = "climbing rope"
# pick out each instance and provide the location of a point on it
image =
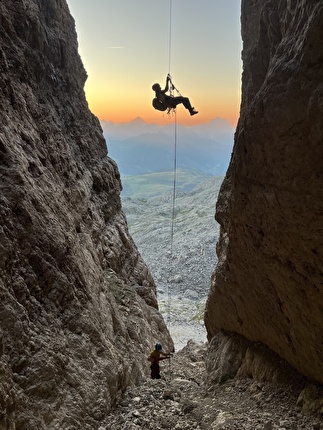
(173, 202)
(173, 215)
(171, 87)
(170, 35)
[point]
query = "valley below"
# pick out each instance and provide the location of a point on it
(179, 249)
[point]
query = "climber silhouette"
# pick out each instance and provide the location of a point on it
(164, 101)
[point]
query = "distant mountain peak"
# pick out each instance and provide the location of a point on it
(137, 121)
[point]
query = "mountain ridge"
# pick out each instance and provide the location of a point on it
(139, 147)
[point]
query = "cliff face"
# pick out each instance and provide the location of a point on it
(77, 304)
(268, 284)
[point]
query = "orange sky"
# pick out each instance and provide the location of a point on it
(126, 47)
(119, 109)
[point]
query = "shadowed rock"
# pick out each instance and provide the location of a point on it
(77, 303)
(267, 285)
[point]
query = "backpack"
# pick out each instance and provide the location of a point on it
(159, 105)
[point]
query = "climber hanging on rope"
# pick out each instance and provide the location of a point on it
(162, 101)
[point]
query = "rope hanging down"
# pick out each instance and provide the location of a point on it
(170, 39)
(173, 215)
(172, 87)
(171, 277)
(170, 34)
(162, 101)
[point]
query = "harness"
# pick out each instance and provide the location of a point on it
(160, 103)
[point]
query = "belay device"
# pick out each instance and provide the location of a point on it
(159, 105)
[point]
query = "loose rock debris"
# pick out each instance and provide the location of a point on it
(182, 400)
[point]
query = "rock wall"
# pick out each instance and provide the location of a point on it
(78, 312)
(268, 284)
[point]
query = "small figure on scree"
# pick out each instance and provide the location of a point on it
(164, 101)
(155, 357)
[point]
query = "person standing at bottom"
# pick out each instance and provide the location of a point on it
(155, 357)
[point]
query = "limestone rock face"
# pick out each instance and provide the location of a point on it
(268, 284)
(78, 312)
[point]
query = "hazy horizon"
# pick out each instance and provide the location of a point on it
(139, 147)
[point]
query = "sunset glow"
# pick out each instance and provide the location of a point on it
(125, 50)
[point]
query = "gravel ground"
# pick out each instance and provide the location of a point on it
(182, 400)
